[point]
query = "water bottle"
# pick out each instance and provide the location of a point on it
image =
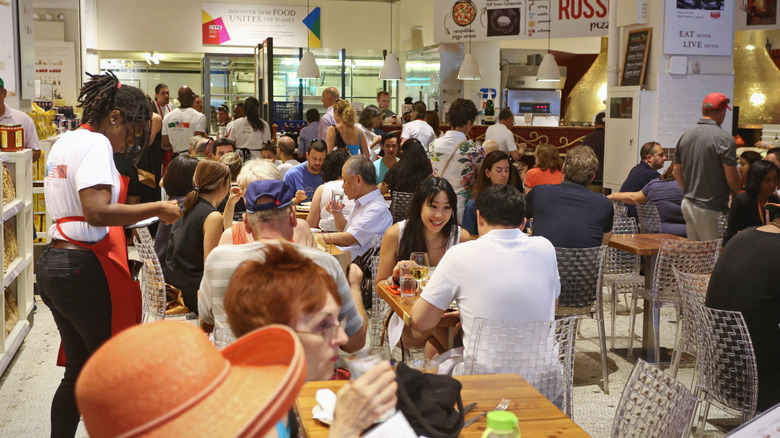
(501, 424)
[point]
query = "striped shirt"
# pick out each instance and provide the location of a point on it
(224, 259)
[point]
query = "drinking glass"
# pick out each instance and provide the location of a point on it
(428, 366)
(361, 361)
(336, 199)
(420, 271)
(408, 287)
(223, 337)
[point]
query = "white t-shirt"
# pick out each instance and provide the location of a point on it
(504, 275)
(420, 130)
(245, 136)
(180, 125)
(503, 136)
(78, 160)
(287, 165)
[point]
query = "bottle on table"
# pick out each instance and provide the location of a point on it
(501, 424)
(490, 113)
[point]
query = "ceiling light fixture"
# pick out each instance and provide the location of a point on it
(308, 68)
(469, 69)
(151, 58)
(548, 69)
(391, 70)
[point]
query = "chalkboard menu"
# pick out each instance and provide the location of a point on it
(635, 63)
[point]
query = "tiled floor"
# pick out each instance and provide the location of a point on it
(28, 385)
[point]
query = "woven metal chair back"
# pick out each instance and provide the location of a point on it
(649, 220)
(689, 256)
(399, 205)
(653, 405)
(580, 270)
(153, 281)
(727, 365)
(619, 209)
(723, 224)
(378, 311)
(693, 289)
(619, 262)
(540, 351)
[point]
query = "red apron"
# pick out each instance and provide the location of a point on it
(111, 251)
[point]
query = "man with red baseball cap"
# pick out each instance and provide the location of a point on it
(705, 167)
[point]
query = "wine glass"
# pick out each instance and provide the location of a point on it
(420, 271)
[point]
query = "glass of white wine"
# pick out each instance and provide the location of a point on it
(420, 270)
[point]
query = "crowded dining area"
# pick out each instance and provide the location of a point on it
(449, 218)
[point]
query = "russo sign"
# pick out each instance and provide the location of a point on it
(248, 25)
(486, 20)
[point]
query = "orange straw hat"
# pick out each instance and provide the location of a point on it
(167, 379)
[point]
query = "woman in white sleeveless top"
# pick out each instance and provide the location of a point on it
(318, 216)
(431, 226)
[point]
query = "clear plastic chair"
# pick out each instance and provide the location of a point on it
(726, 367)
(619, 209)
(580, 270)
(649, 220)
(723, 224)
(653, 405)
(689, 256)
(540, 351)
(621, 268)
(152, 279)
(399, 205)
(691, 287)
(378, 312)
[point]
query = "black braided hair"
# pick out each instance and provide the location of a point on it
(252, 111)
(104, 93)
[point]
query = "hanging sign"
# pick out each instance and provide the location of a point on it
(699, 27)
(487, 20)
(228, 24)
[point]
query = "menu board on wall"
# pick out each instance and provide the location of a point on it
(635, 62)
(487, 20)
(55, 63)
(228, 24)
(699, 27)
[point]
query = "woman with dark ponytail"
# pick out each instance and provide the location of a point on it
(193, 237)
(82, 275)
(250, 132)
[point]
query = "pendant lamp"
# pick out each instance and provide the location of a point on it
(391, 70)
(469, 70)
(548, 69)
(307, 68)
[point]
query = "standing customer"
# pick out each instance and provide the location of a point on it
(345, 134)
(183, 123)
(329, 96)
(250, 132)
(309, 132)
(83, 275)
(10, 116)
(193, 238)
(418, 128)
(705, 167)
(455, 157)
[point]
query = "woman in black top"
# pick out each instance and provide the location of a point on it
(747, 208)
(410, 171)
(197, 233)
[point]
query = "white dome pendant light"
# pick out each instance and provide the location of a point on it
(469, 70)
(548, 69)
(391, 70)
(308, 68)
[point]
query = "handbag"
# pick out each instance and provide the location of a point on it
(364, 263)
(428, 402)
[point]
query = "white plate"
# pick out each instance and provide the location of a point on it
(305, 204)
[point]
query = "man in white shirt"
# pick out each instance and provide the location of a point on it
(183, 123)
(270, 218)
(501, 132)
(10, 116)
(329, 96)
(504, 275)
(162, 99)
(418, 128)
(369, 217)
(286, 154)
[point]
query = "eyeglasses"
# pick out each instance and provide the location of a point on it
(329, 332)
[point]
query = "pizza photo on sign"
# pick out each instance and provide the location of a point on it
(464, 13)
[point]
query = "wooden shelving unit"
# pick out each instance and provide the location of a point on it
(17, 278)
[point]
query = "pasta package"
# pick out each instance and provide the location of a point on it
(9, 192)
(10, 245)
(11, 311)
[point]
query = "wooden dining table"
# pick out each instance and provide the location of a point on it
(537, 417)
(646, 245)
(403, 306)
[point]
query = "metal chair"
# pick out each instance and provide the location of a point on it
(152, 281)
(687, 256)
(580, 270)
(649, 220)
(726, 367)
(399, 205)
(378, 312)
(723, 225)
(620, 210)
(621, 269)
(540, 351)
(653, 405)
(691, 287)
